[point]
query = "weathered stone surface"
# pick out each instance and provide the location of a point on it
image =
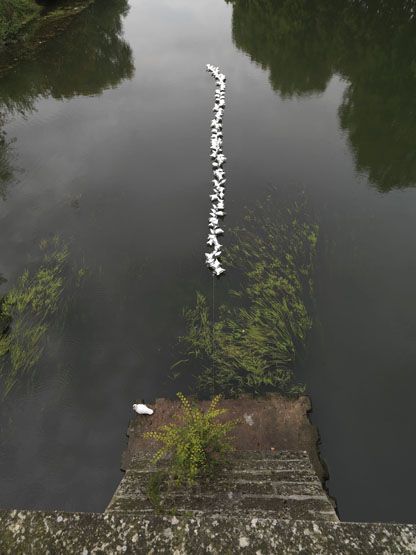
(270, 422)
(260, 488)
(136, 484)
(264, 502)
(111, 533)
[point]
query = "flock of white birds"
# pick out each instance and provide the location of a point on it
(218, 161)
(217, 197)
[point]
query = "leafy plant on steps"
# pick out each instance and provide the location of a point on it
(197, 445)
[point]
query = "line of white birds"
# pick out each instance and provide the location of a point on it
(218, 161)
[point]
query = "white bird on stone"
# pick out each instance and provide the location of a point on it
(142, 409)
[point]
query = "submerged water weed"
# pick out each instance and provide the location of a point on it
(26, 311)
(195, 447)
(258, 334)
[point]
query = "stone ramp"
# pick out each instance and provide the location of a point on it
(31, 532)
(272, 421)
(279, 484)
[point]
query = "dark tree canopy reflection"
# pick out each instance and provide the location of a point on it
(87, 58)
(6, 169)
(371, 44)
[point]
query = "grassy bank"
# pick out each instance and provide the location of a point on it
(27, 25)
(14, 15)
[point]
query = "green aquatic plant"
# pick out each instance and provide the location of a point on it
(253, 344)
(26, 312)
(197, 445)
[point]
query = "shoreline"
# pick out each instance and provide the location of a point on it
(37, 31)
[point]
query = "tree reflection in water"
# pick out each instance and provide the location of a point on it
(371, 45)
(89, 57)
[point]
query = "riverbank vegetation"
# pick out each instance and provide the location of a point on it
(262, 327)
(92, 48)
(14, 15)
(31, 23)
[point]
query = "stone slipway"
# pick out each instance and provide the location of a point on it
(270, 422)
(266, 501)
(278, 484)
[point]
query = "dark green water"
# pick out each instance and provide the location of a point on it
(105, 142)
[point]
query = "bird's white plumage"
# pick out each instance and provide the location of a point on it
(218, 160)
(142, 409)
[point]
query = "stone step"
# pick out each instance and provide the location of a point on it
(273, 455)
(249, 474)
(274, 475)
(282, 507)
(138, 484)
(283, 484)
(290, 461)
(273, 464)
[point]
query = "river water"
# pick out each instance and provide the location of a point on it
(105, 144)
